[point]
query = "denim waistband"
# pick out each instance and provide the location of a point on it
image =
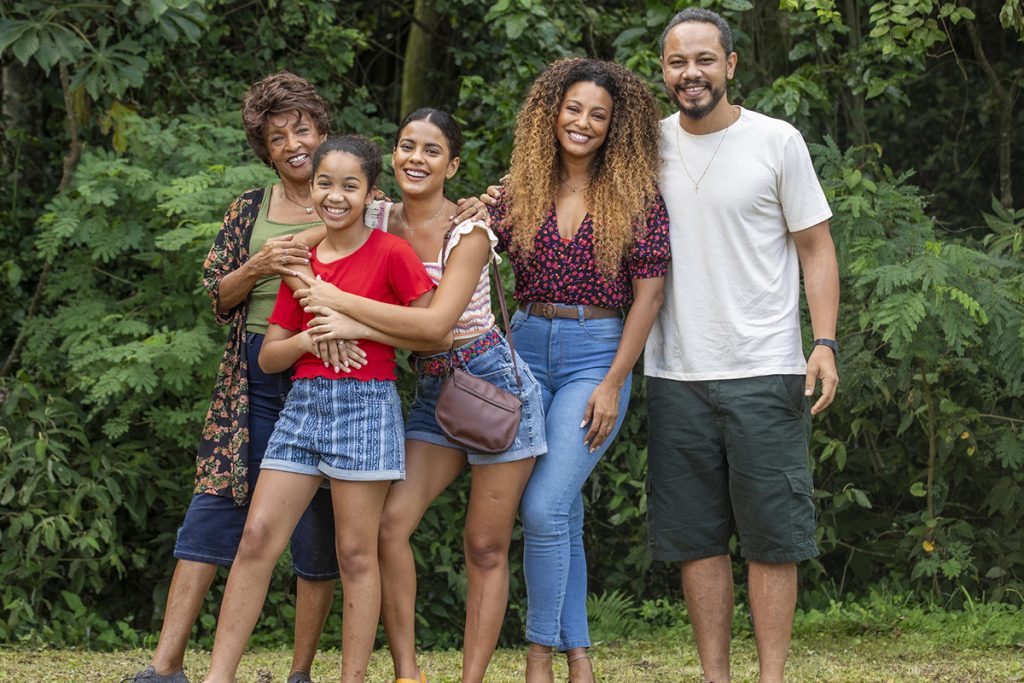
(441, 364)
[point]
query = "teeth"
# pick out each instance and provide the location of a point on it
(577, 137)
(298, 158)
(416, 174)
(335, 211)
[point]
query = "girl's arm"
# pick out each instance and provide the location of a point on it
(430, 324)
(603, 405)
(330, 325)
(308, 238)
(282, 348)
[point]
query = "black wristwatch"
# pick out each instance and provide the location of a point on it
(830, 343)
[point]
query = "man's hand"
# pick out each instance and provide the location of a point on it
(821, 367)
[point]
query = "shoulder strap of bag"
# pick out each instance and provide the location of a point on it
(501, 300)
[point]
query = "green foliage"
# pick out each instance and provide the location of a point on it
(919, 466)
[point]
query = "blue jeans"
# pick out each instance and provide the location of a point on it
(569, 357)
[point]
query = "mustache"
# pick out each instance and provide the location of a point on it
(688, 84)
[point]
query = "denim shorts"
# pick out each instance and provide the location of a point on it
(730, 455)
(213, 524)
(495, 366)
(340, 428)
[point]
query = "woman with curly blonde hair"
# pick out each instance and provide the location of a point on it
(587, 234)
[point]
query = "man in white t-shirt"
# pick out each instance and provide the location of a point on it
(729, 387)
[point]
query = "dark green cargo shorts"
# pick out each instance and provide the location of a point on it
(725, 455)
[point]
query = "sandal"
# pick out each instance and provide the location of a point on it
(577, 657)
(421, 679)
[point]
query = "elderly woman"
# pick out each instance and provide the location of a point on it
(266, 233)
(587, 234)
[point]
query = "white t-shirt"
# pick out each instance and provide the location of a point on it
(732, 295)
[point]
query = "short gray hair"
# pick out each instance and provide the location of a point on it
(706, 16)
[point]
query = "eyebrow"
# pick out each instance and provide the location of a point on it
(413, 141)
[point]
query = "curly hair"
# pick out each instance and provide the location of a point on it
(623, 174)
(276, 94)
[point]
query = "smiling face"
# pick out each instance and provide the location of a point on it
(291, 139)
(583, 120)
(421, 159)
(696, 68)
(340, 190)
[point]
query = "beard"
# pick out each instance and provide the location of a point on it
(693, 110)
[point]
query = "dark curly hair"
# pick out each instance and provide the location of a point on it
(276, 94)
(362, 148)
(623, 175)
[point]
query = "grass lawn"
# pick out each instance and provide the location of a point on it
(867, 658)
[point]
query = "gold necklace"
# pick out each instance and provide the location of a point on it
(573, 188)
(429, 221)
(309, 209)
(679, 151)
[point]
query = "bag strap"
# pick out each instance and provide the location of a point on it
(501, 300)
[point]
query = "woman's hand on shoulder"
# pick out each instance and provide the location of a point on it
(470, 209)
(278, 256)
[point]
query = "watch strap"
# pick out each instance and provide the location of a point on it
(830, 343)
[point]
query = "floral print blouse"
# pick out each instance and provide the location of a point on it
(565, 272)
(222, 463)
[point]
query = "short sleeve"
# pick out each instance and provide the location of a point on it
(464, 228)
(406, 274)
(376, 214)
(651, 252)
(803, 201)
(498, 212)
(287, 311)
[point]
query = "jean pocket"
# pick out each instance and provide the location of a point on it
(516, 321)
(604, 329)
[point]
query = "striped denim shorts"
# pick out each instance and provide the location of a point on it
(340, 428)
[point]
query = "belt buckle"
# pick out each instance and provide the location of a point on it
(548, 310)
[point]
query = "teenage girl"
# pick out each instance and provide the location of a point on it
(346, 427)
(426, 153)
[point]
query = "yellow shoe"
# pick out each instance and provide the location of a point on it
(422, 679)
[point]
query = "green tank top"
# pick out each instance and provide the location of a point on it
(263, 294)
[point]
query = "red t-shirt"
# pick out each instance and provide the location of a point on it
(386, 269)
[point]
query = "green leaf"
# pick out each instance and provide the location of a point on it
(917, 490)
(25, 47)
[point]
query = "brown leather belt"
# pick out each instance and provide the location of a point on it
(550, 311)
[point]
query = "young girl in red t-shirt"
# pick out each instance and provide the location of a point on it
(345, 426)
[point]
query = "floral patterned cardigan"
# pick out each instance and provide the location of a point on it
(222, 463)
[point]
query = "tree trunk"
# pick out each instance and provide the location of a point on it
(1006, 102)
(416, 88)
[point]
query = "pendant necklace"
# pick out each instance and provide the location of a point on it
(309, 209)
(573, 188)
(679, 151)
(429, 221)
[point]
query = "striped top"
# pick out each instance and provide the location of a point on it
(478, 316)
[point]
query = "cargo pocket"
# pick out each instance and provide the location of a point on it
(801, 504)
